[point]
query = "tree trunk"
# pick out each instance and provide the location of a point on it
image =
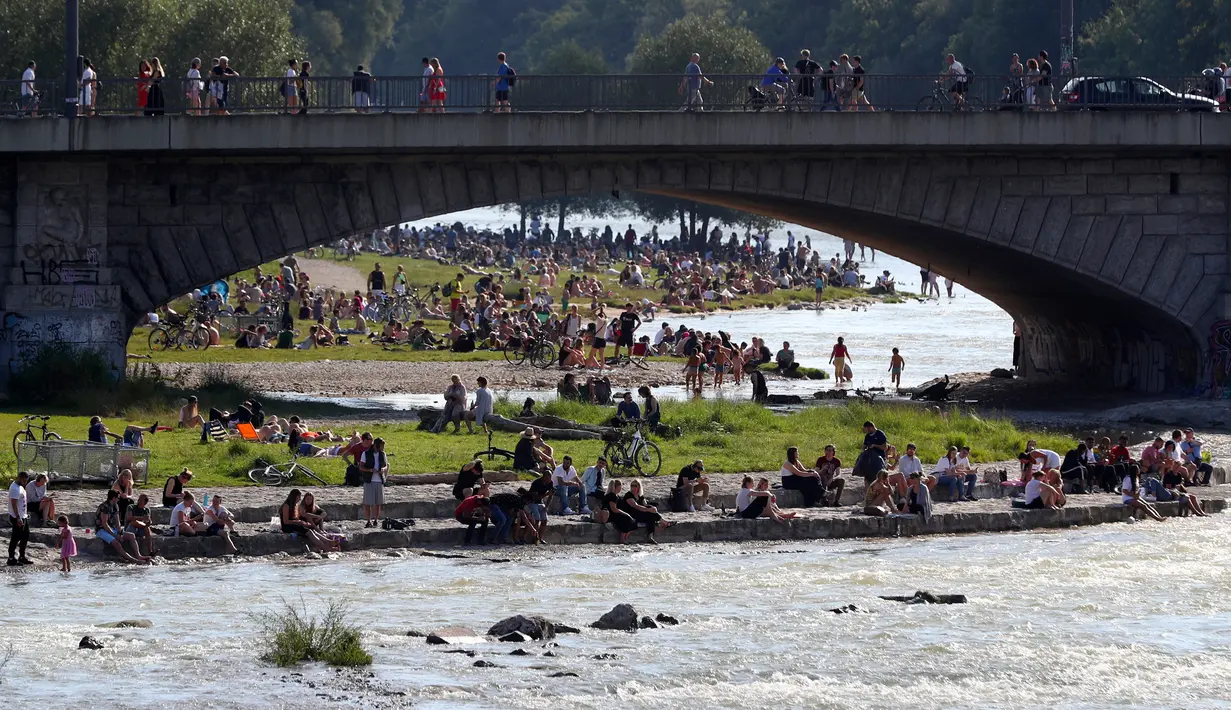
(692, 225)
(683, 226)
(705, 235)
(521, 208)
(563, 207)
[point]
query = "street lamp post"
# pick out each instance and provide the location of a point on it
(72, 59)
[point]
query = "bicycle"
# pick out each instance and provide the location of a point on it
(27, 434)
(541, 353)
(493, 452)
(939, 100)
(280, 474)
(177, 335)
(634, 452)
(624, 360)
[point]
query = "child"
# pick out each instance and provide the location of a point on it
(720, 364)
(895, 369)
(737, 364)
(692, 370)
(66, 544)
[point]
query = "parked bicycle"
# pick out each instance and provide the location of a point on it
(634, 452)
(192, 335)
(624, 360)
(492, 452)
(541, 353)
(27, 434)
(280, 474)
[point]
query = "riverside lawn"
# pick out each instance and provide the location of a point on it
(731, 437)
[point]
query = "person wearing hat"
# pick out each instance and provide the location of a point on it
(524, 454)
(692, 485)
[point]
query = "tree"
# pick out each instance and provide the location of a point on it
(570, 58)
(117, 34)
(724, 48)
(341, 34)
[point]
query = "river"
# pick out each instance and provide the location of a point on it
(1114, 616)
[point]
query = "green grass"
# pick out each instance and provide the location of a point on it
(730, 436)
(138, 344)
(292, 636)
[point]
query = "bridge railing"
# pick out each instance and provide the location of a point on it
(613, 92)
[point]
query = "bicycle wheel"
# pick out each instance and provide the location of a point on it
(543, 355)
(614, 453)
(515, 354)
(974, 103)
(175, 337)
(640, 362)
(199, 340)
(268, 476)
(648, 459)
(19, 437)
(930, 103)
(399, 313)
(493, 454)
(159, 337)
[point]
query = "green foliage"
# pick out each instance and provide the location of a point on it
(724, 48)
(116, 34)
(569, 57)
(341, 34)
(292, 636)
(58, 374)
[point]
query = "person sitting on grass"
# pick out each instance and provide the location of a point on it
(758, 503)
(139, 523)
(173, 489)
(133, 435)
(627, 410)
(107, 529)
(878, 498)
(1040, 494)
(190, 415)
(1130, 495)
(219, 522)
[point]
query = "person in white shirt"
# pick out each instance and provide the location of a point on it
(428, 73)
(290, 87)
(187, 518)
(909, 463)
(951, 479)
(19, 520)
(956, 73)
(1130, 495)
(1041, 495)
(482, 407)
(29, 97)
(193, 86)
(1044, 460)
(89, 79)
(374, 466)
(563, 478)
(220, 522)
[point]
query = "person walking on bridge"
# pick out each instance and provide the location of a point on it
(690, 85)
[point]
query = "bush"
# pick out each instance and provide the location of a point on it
(59, 374)
(292, 637)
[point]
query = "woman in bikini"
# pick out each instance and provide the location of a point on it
(878, 500)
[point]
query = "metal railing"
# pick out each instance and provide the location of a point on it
(82, 461)
(613, 92)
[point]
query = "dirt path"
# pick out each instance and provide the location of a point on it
(333, 274)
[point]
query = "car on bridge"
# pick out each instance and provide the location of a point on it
(1131, 93)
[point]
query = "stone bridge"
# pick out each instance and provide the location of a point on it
(1104, 235)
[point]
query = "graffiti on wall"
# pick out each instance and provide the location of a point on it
(62, 250)
(1220, 359)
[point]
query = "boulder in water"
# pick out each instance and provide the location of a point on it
(623, 617)
(563, 629)
(512, 637)
(667, 620)
(91, 643)
(1002, 373)
(484, 664)
(922, 597)
(535, 627)
(519, 652)
(848, 609)
(648, 623)
(128, 624)
(564, 674)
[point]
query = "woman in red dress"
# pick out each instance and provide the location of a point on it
(144, 72)
(436, 90)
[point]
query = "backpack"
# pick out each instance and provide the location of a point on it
(447, 289)
(512, 75)
(970, 74)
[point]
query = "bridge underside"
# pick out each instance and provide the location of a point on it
(1114, 269)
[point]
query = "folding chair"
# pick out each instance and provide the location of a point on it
(247, 432)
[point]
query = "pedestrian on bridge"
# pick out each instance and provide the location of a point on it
(690, 86)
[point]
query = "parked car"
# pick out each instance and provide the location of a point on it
(1131, 93)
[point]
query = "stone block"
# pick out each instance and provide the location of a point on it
(867, 177)
(937, 201)
(576, 180)
(889, 191)
(983, 210)
(239, 236)
(286, 217)
(504, 186)
(363, 213)
(795, 175)
(1074, 240)
(914, 189)
(1065, 185)
(1202, 183)
(217, 248)
(530, 182)
(268, 237)
(722, 177)
(1039, 166)
(1029, 222)
(1211, 203)
(332, 202)
(961, 200)
(1089, 205)
(1202, 224)
(1179, 165)
(769, 178)
(1190, 272)
(1141, 266)
(553, 183)
(697, 175)
(1216, 264)
(160, 216)
(1018, 185)
(384, 194)
(997, 167)
(199, 215)
(1124, 166)
(432, 186)
(140, 195)
(1149, 184)
(1005, 221)
(1139, 204)
(1177, 204)
(1096, 167)
(841, 183)
(1107, 184)
(649, 175)
(1098, 242)
(1120, 253)
(1165, 224)
(1059, 209)
(1172, 256)
(122, 216)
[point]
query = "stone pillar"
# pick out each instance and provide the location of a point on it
(59, 289)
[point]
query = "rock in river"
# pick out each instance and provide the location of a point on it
(623, 617)
(91, 643)
(535, 627)
(922, 597)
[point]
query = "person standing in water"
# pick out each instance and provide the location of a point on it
(896, 363)
(839, 358)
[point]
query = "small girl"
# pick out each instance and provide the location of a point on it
(67, 545)
(692, 370)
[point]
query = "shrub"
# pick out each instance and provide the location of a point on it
(59, 373)
(292, 636)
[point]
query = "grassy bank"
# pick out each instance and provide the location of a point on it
(361, 349)
(730, 437)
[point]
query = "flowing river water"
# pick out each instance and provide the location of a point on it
(1123, 615)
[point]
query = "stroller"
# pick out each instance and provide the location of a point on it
(1013, 96)
(757, 99)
